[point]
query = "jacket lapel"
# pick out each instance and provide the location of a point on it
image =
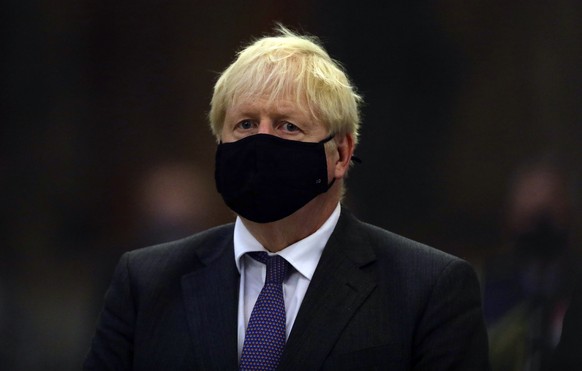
(211, 298)
(338, 288)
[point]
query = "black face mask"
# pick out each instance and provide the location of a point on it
(264, 178)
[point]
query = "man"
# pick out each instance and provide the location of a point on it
(527, 287)
(355, 296)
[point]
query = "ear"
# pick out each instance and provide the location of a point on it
(345, 150)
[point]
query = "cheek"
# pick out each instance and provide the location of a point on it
(226, 136)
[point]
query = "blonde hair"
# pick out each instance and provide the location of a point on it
(289, 65)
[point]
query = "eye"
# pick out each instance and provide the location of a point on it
(245, 125)
(287, 126)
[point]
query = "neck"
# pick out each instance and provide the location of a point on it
(278, 235)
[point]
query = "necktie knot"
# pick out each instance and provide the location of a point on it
(277, 266)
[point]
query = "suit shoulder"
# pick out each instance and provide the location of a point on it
(395, 252)
(416, 265)
(199, 247)
(392, 243)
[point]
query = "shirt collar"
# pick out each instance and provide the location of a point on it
(303, 255)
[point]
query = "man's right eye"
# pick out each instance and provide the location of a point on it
(245, 124)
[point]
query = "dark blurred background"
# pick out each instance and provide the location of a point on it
(105, 146)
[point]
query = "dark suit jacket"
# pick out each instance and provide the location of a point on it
(376, 301)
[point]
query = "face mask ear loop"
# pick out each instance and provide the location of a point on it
(327, 139)
(354, 159)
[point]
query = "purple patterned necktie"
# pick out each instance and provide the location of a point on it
(265, 335)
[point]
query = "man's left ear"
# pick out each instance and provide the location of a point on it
(345, 150)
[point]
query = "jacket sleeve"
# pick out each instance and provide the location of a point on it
(451, 334)
(112, 345)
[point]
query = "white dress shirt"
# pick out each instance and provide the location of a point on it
(303, 255)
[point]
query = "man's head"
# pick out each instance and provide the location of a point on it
(292, 68)
(287, 118)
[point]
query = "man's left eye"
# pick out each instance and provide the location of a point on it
(290, 127)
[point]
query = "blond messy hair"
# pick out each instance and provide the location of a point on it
(289, 65)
